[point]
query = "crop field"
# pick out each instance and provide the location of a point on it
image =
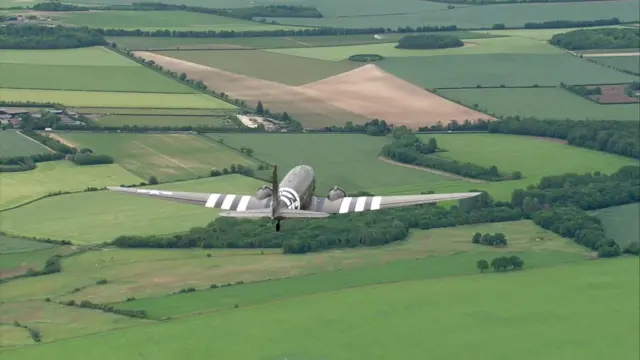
(450, 304)
(613, 94)
(414, 13)
(621, 223)
(536, 34)
(310, 111)
(629, 63)
(349, 161)
(501, 69)
(106, 214)
(33, 256)
(150, 111)
(131, 272)
(13, 143)
(53, 176)
(115, 99)
(169, 157)
(88, 69)
(498, 45)
(166, 120)
(171, 43)
(289, 70)
(154, 20)
(550, 103)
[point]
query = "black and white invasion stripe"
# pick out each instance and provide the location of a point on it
(228, 202)
(360, 203)
(290, 198)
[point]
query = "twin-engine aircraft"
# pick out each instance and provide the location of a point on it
(292, 198)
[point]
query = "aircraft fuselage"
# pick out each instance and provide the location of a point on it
(297, 188)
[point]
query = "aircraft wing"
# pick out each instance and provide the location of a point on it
(233, 202)
(371, 203)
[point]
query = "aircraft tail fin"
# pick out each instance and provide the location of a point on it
(284, 213)
(275, 202)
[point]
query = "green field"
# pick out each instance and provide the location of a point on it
(146, 273)
(149, 111)
(18, 262)
(536, 34)
(53, 176)
(349, 161)
(10, 245)
(498, 45)
(154, 20)
(106, 215)
(169, 157)
(549, 103)
(338, 13)
(115, 99)
(89, 69)
(290, 70)
(422, 315)
(629, 63)
(621, 223)
(501, 69)
(171, 43)
(171, 120)
(15, 144)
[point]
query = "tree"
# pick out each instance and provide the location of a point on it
(259, 108)
(153, 180)
(482, 265)
(476, 238)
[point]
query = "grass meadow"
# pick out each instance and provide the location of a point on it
(149, 111)
(526, 154)
(171, 43)
(154, 273)
(13, 143)
(169, 157)
(154, 20)
(166, 120)
(501, 69)
(286, 69)
(115, 99)
(621, 223)
(630, 63)
(339, 14)
(18, 255)
(543, 304)
(88, 69)
(543, 103)
(106, 214)
(349, 161)
(53, 176)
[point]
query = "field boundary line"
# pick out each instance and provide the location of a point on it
(37, 142)
(433, 171)
(166, 157)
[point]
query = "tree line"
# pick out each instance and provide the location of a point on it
(501, 263)
(583, 90)
(555, 197)
(607, 38)
(561, 24)
(431, 41)
(497, 239)
(616, 137)
(86, 304)
(26, 163)
(502, 2)
(407, 148)
(46, 37)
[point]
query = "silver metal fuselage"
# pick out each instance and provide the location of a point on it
(301, 180)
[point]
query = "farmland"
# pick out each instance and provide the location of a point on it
(552, 103)
(470, 308)
(166, 120)
(154, 20)
(13, 143)
(629, 63)
(115, 99)
(169, 157)
(622, 223)
(49, 177)
(107, 215)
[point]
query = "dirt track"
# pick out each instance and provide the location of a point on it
(374, 93)
(613, 54)
(311, 111)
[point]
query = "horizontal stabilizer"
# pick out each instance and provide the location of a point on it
(254, 214)
(282, 214)
(302, 214)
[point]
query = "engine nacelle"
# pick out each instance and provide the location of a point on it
(264, 192)
(336, 193)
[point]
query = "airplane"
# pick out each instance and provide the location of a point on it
(292, 198)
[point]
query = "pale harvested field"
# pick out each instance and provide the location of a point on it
(374, 93)
(612, 54)
(312, 112)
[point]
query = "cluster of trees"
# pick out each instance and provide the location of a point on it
(51, 266)
(50, 142)
(607, 38)
(57, 6)
(233, 169)
(46, 37)
(24, 163)
(431, 41)
(454, 125)
(374, 127)
(633, 88)
(34, 333)
(140, 314)
(407, 148)
(493, 2)
(617, 137)
(273, 33)
(562, 24)
(365, 57)
(502, 263)
(583, 90)
(497, 239)
(91, 159)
